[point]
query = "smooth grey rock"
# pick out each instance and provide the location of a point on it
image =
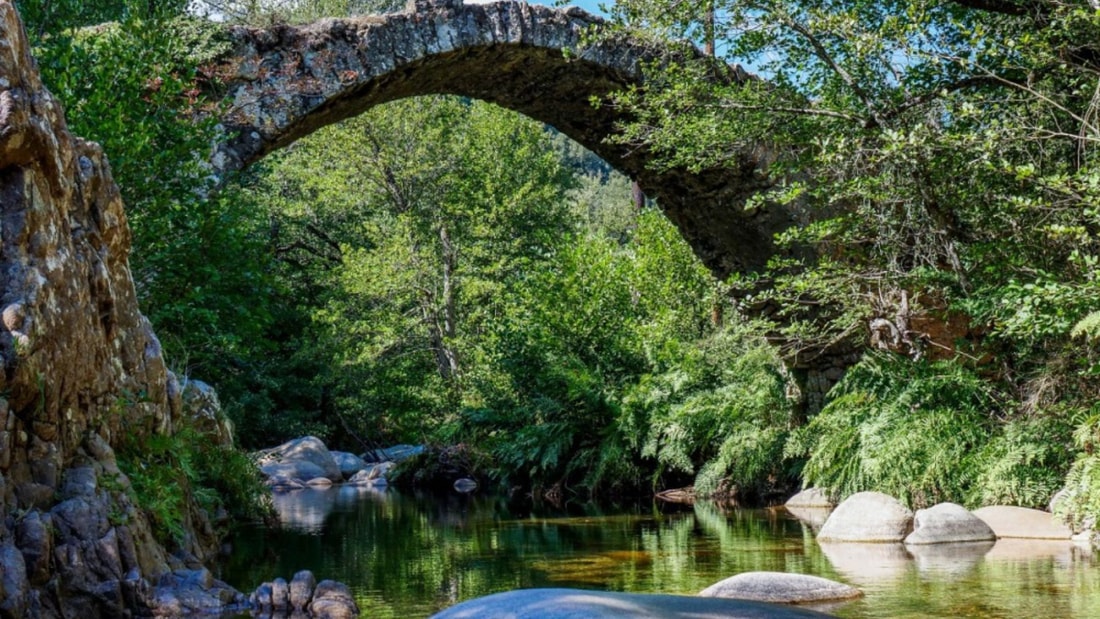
(300, 471)
(332, 600)
(867, 517)
(1022, 522)
(811, 497)
(284, 483)
(319, 482)
(781, 588)
(396, 453)
(362, 478)
(261, 597)
(305, 449)
(349, 463)
(301, 589)
(280, 594)
(1061, 552)
(581, 604)
(947, 523)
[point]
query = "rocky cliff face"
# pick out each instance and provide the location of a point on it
(80, 364)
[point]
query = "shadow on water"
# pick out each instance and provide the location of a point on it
(408, 556)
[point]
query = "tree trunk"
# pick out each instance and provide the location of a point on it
(449, 255)
(708, 30)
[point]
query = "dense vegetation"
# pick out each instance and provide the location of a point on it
(445, 271)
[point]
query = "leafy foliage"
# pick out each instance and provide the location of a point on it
(169, 473)
(907, 429)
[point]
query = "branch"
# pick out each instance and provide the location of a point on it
(1004, 7)
(823, 54)
(939, 91)
(793, 110)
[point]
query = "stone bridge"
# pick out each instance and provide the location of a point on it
(284, 82)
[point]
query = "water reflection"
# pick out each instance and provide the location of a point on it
(948, 560)
(409, 556)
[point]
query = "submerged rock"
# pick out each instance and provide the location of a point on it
(577, 604)
(867, 517)
(781, 588)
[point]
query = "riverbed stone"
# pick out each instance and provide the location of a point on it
(280, 594)
(868, 517)
(781, 588)
(332, 600)
(362, 478)
(948, 523)
(307, 449)
(261, 597)
(583, 604)
(396, 453)
(319, 482)
(300, 471)
(811, 497)
(1022, 522)
(349, 463)
(301, 590)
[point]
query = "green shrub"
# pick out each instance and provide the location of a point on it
(719, 410)
(167, 472)
(908, 429)
(1024, 464)
(1082, 501)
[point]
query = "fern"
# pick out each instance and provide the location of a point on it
(1088, 327)
(720, 411)
(907, 429)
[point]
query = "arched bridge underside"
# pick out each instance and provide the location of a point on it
(285, 82)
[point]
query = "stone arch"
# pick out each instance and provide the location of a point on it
(285, 82)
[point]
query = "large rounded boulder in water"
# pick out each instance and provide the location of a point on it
(1022, 522)
(948, 523)
(581, 604)
(286, 458)
(781, 588)
(867, 517)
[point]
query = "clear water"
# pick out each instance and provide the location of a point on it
(410, 556)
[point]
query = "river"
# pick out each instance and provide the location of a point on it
(408, 556)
